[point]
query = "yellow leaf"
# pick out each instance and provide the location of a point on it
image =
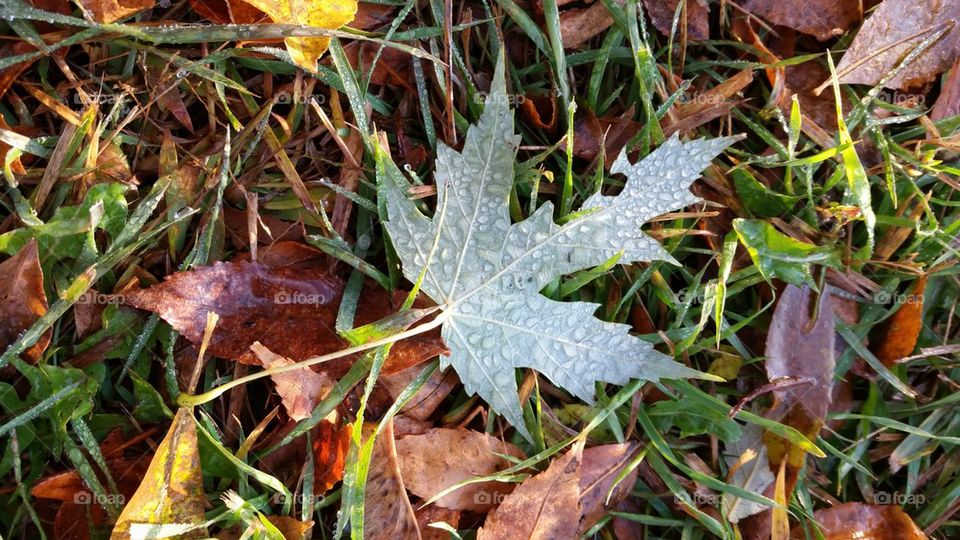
(108, 11)
(171, 493)
(780, 524)
(330, 14)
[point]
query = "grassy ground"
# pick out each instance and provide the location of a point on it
(111, 116)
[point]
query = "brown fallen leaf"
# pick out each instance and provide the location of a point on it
(81, 515)
(428, 398)
(108, 11)
(898, 335)
(330, 448)
(543, 506)
(823, 19)
(301, 390)
(172, 488)
(800, 365)
(891, 32)
(864, 522)
(599, 470)
(442, 457)
(388, 514)
(577, 26)
(433, 514)
(290, 309)
(22, 300)
(697, 13)
(227, 11)
(948, 104)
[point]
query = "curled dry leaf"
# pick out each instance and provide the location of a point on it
(582, 481)
(898, 336)
(866, 521)
(697, 14)
(428, 398)
(300, 390)
(388, 514)
(441, 458)
(108, 11)
(877, 49)
(172, 488)
(948, 104)
(330, 14)
(823, 19)
(542, 506)
(290, 309)
(227, 11)
(22, 300)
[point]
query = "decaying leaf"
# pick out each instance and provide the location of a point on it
(441, 457)
(387, 511)
(600, 468)
(22, 300)
(823, 19)
(868, 59)
(435, 514)
(948, 104)
(329, 14)
(542, 506)
(227, 11)
(329, 454)
(866, 521)
(898, 335)
(799, 349)
(428, 398)
(171, 493)
(300, 390)
(291, 310)
(108, 11)
(747, 459)
(579, 25)
(662, 13)
(487, 273)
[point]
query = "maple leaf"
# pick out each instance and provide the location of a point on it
(486, 273)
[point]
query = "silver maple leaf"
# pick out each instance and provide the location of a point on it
(486, 272)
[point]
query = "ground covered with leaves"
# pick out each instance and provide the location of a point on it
(511, 269)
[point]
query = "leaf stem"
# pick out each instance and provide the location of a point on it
(191, 400)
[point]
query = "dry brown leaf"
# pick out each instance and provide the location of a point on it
(441, 458)
(290, 309)
(898, 335)
(329, 455)
(865, 522)
(22, 300)
(433, 514)
(823, 19)
(948, 104)
(428, 398)
(599, 470)
(388, 514)
(542, 506)
(805, 355)
(108, 11)
(172, 488)
(577, 26)
(868, 60)
(227, 11)
(698, 17)
(300, 390)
